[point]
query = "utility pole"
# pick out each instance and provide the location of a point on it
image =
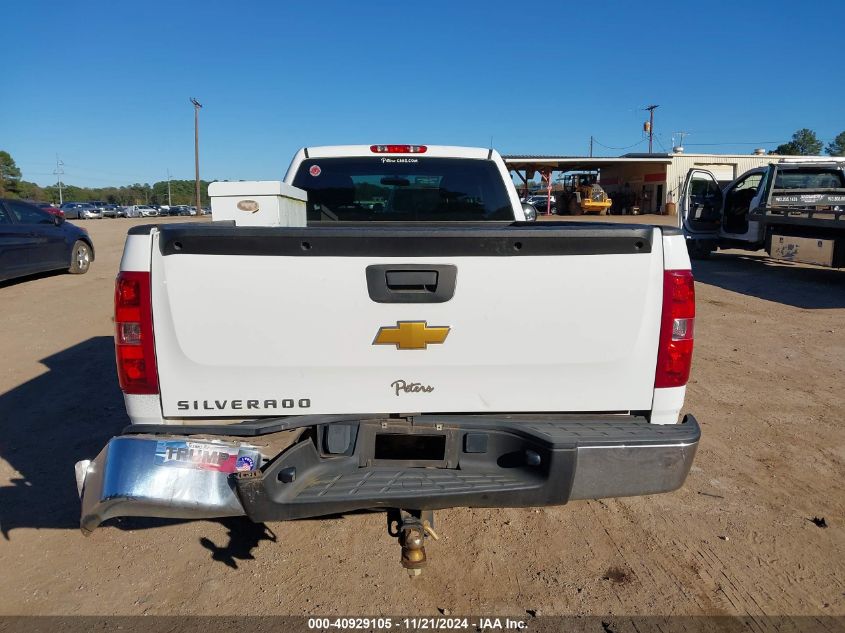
(169, 201)
(59, 173)
(591, 146)
(650, 109)
(197, 106)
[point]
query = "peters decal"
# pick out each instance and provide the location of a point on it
(400, 386)
(213, 456)
(315, 170)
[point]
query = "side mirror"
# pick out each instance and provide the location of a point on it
(58, 220)
(530, 212)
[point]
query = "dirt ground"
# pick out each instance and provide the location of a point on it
(738, 538)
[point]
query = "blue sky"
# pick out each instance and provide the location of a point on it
(105, 85)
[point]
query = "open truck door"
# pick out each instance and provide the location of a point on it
(700, 214)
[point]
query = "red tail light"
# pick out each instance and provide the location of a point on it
(677, 326)
(133, 337)
(398, 149)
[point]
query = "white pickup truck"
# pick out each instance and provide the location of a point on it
(417, 345)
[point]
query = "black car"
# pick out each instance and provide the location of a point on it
(34, 241)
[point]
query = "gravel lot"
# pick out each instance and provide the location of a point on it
(738, 538)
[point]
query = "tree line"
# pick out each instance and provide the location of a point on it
(181, 191)
(804, 143)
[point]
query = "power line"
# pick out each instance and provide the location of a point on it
(642, 140)
(98, 179)
(100, 171)
(742, 143)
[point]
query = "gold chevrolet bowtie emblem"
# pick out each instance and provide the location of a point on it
(411, 335)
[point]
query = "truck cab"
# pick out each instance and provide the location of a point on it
(710, 216)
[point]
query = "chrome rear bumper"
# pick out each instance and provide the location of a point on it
(514, 461)
(132, 476)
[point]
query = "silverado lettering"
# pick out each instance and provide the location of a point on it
(219, 405)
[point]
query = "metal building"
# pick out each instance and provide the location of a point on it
(645, 182)
(661, 186)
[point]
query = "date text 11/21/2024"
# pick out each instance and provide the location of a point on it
(418, 623)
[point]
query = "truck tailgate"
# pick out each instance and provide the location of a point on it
(268, 321)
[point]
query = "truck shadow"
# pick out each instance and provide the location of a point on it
(62, 416)
(761, 277)
(49, 423)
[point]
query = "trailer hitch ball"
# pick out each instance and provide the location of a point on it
(413, 539)
(413, 549)
(411, 530)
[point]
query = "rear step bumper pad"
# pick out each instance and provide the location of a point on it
(526, 461)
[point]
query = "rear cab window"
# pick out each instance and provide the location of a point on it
(810, 179)
(403, 189)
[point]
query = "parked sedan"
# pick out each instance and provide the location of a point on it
(91, 213)
(110, 211)
(77, 210)
(140, 211)
(34, 241)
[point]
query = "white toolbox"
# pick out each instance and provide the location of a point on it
(257, 203)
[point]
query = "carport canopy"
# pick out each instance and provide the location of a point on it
(547, 164)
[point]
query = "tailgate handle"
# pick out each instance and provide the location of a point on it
(411, 280)
(411, 283)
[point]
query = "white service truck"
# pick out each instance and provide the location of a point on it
(794, 209)
(391, 353)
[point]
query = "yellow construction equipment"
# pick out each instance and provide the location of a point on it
(583, 194)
